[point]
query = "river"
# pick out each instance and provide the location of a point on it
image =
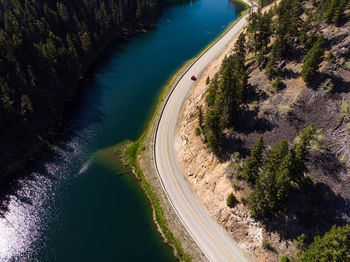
(70, 208)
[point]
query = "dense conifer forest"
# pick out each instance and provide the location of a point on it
(45, 48)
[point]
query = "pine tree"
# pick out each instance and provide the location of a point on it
(302, 151)
(273, 184)
(275, 156)
(240, 49)
(254, 162)
(200, 117)
(334, 11)
(213, 86)
(313, 59)
(333, 246)
(213, 129)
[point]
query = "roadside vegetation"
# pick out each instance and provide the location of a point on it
(226, 93)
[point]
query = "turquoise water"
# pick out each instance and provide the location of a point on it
(70, 208)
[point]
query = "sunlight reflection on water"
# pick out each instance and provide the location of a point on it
(31, 207)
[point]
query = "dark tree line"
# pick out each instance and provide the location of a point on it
(227, 91)
(45, 47)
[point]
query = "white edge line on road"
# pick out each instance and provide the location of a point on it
(163, 108)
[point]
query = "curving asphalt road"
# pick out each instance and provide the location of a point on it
(208, 234)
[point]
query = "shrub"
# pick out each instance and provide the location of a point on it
(348, 128)
(208, 80)
(244, 201)
(347, 65)
(198, 131)
(267, 245)
(330, 57)
(236, 187)
(345, 110)
(285, 259)
(327, 86)
(285, 107)
(277, 84)
(300, 241)
(231, 200)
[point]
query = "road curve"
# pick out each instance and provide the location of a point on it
(208, 234)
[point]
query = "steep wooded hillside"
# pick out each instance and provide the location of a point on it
(45, 48)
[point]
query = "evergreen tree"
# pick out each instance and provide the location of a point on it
(213, 86)
(313, 60)
(259, 26)
(333, 246)
(272, 187)
(226, 93)
(254, 162)
(200, 117)
(213, 129)
(302, 151)
(334, 11)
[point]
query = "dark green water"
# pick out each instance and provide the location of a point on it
(73, 209)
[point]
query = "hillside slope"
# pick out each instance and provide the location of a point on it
(45, 48)
(283, 96)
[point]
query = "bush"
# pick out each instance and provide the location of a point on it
(231, 200)
(347, 126)
(327, 86)
(237, 170)
(198, 131)
(345, 110)
(330, 57)
(267, 245)
(236, 187)
(244, 201)
(285, 259)
(277, 84)
(299, 242)
(208, 80)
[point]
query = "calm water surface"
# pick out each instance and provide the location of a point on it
(70, 208)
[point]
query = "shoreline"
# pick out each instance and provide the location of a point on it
(140, 157)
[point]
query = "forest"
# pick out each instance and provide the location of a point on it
(45, 49)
